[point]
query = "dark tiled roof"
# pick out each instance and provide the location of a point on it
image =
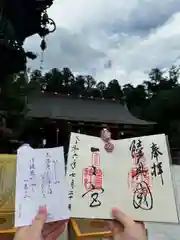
(77, 109)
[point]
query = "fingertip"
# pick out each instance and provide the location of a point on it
(42, 210)
(115, 211)
(40, 219)
(121, 217)
(41, 214)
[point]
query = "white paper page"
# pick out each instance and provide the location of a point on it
(113, 179)
(40, 181)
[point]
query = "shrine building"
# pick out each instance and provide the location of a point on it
(53, 117)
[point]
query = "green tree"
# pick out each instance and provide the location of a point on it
(53, 81)
(156, 99)
(67, 78)
(35, 81)
(78, 86)
(101, 86)
(113, 90)
(90, 90)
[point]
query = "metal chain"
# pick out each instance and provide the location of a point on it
(42, 61)
(43, 46)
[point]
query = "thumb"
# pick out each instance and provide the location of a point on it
(39, 220)
(122, 217)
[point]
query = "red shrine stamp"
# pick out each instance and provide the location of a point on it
(135, 177)
(139, 172)
(92, 175)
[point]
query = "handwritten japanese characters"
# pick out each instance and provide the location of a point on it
(157, 168)
(40, 180)
(93, 179)
(140, 177)
(29, 183)
(74, 150)
(135, 176)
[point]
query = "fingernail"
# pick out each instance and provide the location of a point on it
(42, 210)
(114, 211)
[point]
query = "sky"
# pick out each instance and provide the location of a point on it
(111, 39)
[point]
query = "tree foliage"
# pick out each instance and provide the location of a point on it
(155, 99)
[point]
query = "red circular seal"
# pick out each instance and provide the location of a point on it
(109, 147)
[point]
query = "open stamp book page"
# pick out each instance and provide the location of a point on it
(40, 181)
(135, 177)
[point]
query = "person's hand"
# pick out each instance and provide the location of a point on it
(124, 228)
(39, 230)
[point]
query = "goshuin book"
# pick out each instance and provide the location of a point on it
(135, 177)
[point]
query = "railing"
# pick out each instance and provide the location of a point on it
(7, 193)
(88, 229)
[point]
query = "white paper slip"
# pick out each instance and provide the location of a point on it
(40, 181)
(135, 177)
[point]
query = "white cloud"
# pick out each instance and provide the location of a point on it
(135, 37)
